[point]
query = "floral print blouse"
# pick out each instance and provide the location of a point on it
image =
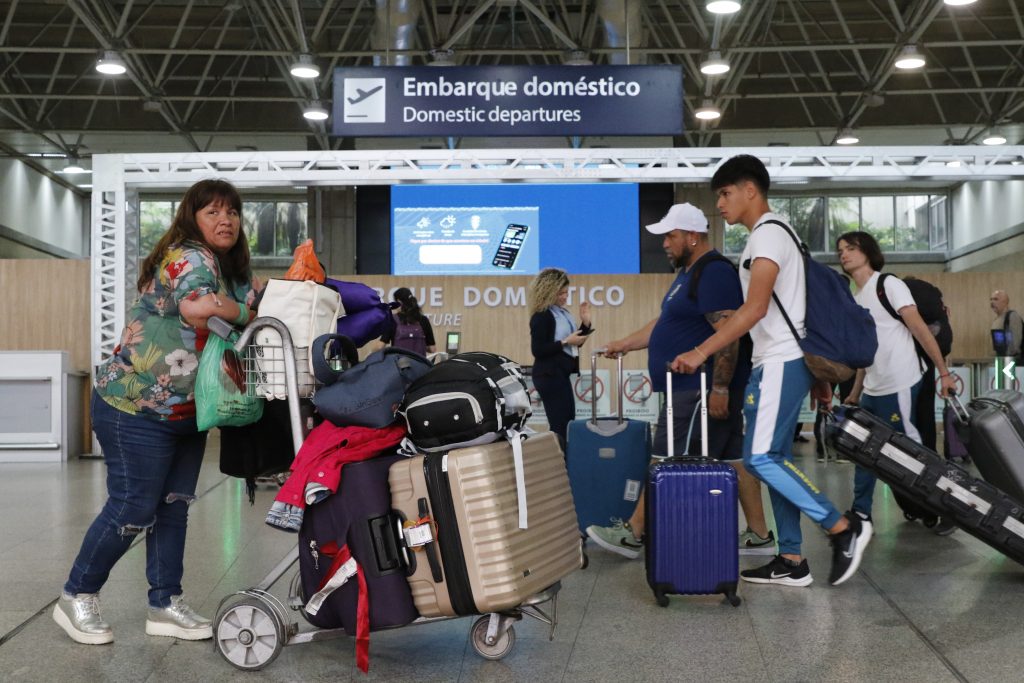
(152, 371)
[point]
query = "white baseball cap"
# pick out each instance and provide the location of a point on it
(685, 217)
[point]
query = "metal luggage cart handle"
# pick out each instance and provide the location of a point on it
(290, 374)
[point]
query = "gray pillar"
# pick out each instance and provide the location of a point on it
(332, 221)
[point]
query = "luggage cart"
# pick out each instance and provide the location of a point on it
(252, 625)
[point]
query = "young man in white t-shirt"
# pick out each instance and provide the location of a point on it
(772, 263)
(888, 388)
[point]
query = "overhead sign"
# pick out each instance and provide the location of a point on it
(508, 100)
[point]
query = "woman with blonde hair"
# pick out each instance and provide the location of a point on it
(555, 342)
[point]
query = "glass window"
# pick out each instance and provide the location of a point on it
(843, 216)
(937, 236)
(911, 223)
(735, 238)
(877, 217)
(807, 216)
(272, 228)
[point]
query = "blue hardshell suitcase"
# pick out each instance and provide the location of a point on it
(692, 522)
(607, 462)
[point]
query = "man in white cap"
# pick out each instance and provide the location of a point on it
(704, 294)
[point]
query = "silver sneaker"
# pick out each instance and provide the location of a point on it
(79, 616)
(178, 621)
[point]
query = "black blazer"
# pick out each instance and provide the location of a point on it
(549, 358)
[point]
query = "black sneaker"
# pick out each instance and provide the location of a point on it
(944, 527)
(848, 549)
(780, 571)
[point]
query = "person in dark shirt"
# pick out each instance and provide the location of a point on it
(412, 329)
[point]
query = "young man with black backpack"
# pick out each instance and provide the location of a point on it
(772, 263)
(889, 387)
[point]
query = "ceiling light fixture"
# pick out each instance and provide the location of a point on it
(315, 112)
(305, 67)
(722, 6)
(74, 166)
(577, 58)
(846, 137)
(707, 111)
(954, 163)
(994, 138)
(111, 64)
(714, 65)
(441, 57)
(909, 58)
(958, 3)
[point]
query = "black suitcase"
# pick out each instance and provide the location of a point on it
(937, 485)
(995, 438)
(358, 515)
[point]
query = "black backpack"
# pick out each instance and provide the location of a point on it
(746, 350)
(928, 299)
(471, 398)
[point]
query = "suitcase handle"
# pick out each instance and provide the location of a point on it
(593, 384)
(670, 416)
(962, 416)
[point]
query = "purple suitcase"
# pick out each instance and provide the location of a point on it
(692, 522)
(358, 515)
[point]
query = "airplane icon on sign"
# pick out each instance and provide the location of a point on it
(362, 94)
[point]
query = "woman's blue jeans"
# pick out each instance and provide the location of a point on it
(152, 471)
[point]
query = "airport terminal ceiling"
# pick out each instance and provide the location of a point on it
(208, 76)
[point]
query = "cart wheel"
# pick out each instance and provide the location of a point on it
(909, 517)
(249, 634)
(502, 644)
(929, 522)
(661, 599)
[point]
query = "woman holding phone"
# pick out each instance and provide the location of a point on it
(554, 341)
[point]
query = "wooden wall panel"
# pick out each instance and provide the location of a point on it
(966, 295)
(44, 305)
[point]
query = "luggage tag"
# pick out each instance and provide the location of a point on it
(418, 533)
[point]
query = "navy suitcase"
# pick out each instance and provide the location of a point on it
(607, 461)
(692, 521)
(936, 484)
(358, 515)
(995, 438)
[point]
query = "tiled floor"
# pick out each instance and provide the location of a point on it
(923, 608)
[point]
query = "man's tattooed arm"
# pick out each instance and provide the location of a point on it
(725, 359)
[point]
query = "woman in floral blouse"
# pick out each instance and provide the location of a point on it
(143, 413)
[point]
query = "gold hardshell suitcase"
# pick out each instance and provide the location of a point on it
(479, 559)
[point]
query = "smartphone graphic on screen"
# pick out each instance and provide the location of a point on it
(508, 248)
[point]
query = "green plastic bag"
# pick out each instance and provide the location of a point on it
(221, 400)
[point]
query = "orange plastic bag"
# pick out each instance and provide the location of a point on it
(305, 265)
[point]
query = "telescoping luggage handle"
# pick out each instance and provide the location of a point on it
(962, 416)
(593, 384)
(669, 415)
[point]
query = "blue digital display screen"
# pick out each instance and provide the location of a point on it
(514, 229)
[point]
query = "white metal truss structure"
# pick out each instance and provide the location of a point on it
(118, 178)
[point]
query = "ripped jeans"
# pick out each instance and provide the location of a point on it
(152, 470)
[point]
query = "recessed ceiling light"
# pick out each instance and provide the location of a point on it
(846, 137)
(707, 111)
(722, 6)
(954, 163)
(111, 64)
(305, 67)
(714, 65)
(315, 112)
(909, 58)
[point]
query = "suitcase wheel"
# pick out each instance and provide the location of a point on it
(661, 599)
(250, 633)
(503, 641)
(929, 522)
(909, 517)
